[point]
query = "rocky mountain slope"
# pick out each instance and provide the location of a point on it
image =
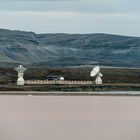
(30, 49)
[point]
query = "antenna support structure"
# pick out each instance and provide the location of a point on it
(20, 69)
(98, 79)
(96, 72)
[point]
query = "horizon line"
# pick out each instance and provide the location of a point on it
(78, 33)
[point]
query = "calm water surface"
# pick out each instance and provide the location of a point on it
(69, 118)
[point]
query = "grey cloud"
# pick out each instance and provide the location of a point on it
(71, 22)
(85, 6)
(72, 16)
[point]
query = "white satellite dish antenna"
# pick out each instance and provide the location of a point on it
(98, 79)
(20, 69)
(95, 71)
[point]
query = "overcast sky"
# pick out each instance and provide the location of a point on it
(72, 16)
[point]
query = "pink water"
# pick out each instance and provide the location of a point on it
(69, 118)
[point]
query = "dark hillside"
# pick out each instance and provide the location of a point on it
(42, 50)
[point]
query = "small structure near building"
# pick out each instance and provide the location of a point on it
(20, 69)
(61, 78)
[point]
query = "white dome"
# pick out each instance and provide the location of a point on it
(61, 78)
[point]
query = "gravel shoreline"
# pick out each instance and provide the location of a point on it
(57, 93)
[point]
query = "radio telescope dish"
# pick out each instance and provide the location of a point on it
(95, 71)
(100, 74)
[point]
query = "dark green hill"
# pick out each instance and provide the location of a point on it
(42, 50)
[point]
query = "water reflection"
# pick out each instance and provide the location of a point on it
(69, 118)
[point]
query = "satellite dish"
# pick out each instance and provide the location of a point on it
(100, 74)
(95, 71)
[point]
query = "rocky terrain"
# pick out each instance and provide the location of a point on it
(43, 50)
